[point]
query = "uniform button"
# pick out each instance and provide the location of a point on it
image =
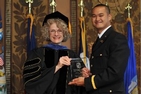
(91, 65)
(92, 57)
(100, 54)
(110, 91)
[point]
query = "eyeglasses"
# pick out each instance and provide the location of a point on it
(58, 31)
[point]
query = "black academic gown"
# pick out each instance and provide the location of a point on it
(39, 76)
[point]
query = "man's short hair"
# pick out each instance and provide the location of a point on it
(103, 5)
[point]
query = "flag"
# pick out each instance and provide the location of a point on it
(1, 62)
(130, 76)
(31, 41)
(83, 48)
(3, 87)
(1, 30)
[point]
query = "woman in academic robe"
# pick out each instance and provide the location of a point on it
(48, 69)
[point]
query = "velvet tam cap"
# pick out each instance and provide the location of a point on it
(56, 15)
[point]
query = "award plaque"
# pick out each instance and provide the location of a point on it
(75, 67)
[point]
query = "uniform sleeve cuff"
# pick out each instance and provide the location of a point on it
(92, 81)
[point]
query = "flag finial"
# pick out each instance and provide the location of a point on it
(29, 4)
(106, 3)
(53, 4)
(128, 7)
(81, 5)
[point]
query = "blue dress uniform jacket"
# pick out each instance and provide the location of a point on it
(108, 61)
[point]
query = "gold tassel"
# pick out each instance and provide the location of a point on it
(31, 23)
(83, 37)
(69, 27)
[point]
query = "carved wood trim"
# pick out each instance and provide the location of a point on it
(73, 19)
(7, 43)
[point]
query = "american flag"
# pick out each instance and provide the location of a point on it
(1, 62)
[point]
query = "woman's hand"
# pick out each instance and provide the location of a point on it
(64, 60)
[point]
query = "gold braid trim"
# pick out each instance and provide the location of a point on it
(93, 83)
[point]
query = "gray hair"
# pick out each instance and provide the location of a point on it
(60, 24)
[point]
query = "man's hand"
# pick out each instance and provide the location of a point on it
(77, 81)
(86, 72)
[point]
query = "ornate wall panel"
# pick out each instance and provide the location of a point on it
(19, 36)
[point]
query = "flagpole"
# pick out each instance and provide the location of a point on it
(53, 4)
(82, 26)
(106, 3)
(31, 40)
(30, 15)
(29, 5)
(81, 5)
(130, 76)
(128, 7)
